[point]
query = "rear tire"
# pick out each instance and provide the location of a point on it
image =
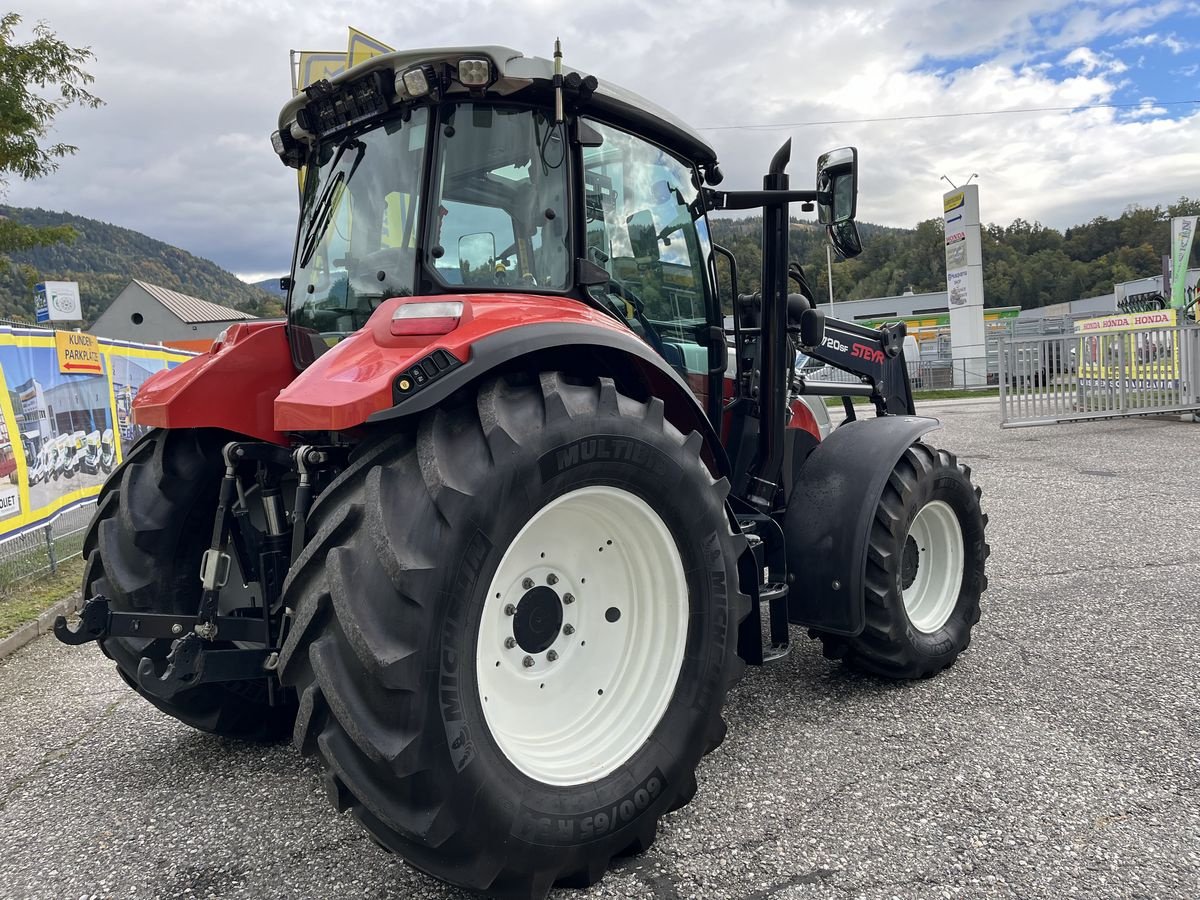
(925, 570)
(153, 521)
(434, 590)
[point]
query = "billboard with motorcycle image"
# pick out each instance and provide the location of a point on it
(62, 429)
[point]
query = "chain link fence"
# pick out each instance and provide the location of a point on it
(44, 548)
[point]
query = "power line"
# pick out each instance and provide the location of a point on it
(958, 115)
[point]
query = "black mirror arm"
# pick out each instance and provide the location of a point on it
(753, 199)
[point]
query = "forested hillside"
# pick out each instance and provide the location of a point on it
(1024, 264)
(104, 258)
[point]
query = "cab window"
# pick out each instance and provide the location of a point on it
(645, 228)
(499, 217)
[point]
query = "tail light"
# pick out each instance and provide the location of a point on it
(427, 317)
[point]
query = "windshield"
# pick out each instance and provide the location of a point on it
(499, 216)
(358, 235)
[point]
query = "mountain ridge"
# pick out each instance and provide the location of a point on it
(105, 257)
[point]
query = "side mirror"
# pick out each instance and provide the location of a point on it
(812, 328)
(837, 186)
(845, 239)
(477, 257)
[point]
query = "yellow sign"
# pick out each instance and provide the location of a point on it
(317, 64)
(362, 47)
(1137, 348)
(78, 353)
(1155, 318)
(954, 201)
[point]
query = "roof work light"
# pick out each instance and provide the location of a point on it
(415, 82)
(474, 72)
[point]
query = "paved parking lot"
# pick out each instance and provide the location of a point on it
(1058, 758)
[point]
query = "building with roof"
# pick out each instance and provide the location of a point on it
(150, 314)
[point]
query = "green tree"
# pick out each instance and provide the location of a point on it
(38, 79)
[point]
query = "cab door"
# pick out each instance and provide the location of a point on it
(645, 226)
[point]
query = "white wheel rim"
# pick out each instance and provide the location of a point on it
(934, 546)
(595, 693)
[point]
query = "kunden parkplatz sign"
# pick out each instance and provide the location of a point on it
(78, 353)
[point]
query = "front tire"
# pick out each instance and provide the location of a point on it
(545, 517)
(924, 572)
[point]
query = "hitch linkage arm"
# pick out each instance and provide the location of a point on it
(98, 621)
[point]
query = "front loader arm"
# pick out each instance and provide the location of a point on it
(875, 355)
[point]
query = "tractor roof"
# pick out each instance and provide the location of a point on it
(517, 72)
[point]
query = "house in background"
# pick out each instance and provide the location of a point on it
(149, 314)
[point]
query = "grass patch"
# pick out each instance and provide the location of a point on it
(26, 601)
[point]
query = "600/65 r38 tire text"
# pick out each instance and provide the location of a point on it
(153, 522)
(514, 630)
(924, 570)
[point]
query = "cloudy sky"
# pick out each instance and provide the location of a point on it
(181, 151)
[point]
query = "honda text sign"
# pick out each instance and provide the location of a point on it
(57, 301)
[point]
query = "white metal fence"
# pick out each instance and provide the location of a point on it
(925, 374)
(1066, 378)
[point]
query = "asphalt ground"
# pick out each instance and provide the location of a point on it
(1058, 758)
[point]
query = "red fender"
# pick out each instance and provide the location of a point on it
(233, 386)
(355, 378)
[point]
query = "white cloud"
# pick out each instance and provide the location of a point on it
(181, 151)
(1089, 61)
(1171, 41)
(1144, 40)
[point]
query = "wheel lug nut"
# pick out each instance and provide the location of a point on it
(527, 662)
(510, 610)
(551, 578)
(527, 583)
(568, 629)
(509, 643)
(568, 598)
(552, 655)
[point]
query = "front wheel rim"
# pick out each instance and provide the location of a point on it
(582, 636)
(932, 567)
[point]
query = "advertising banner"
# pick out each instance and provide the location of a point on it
(1118, 347)
(65, 400)
(362, 47)
(1183, 232)
(317, 64)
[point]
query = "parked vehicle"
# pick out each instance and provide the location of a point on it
(90, 461)
(36, 466)
(76, 453)
(8, 462)
(63, 451)
(108, 450)
(496, 557)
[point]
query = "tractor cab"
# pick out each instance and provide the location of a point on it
(450, 173)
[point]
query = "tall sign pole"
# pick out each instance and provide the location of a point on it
(964, 285)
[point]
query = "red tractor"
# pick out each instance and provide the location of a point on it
(493, 521)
